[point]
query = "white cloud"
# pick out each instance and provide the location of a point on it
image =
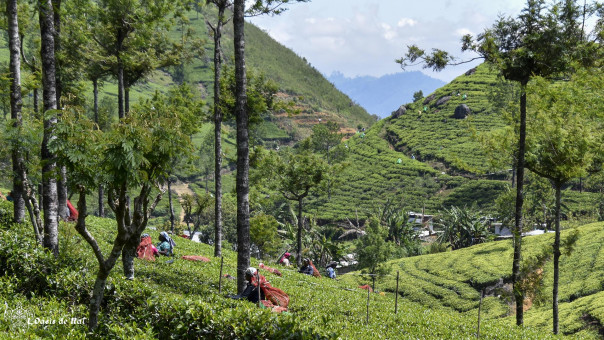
(463, 31)
(406, 22)
(363, 37)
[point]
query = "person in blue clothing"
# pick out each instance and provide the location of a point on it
(166, 244)
(306, 267)
(331, 270)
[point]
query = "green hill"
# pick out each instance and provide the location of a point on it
(453, 281)
(315, 97)
(181, 300)
(426, 158)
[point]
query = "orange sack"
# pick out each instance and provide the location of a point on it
(272, 270)
(73, 213)
(195, 258)
(367, 287)
(315, 272)
(276, 299)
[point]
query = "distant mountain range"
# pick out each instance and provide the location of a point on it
(381, 96)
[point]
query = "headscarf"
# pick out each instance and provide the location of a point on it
(251, 271)
(168, 238)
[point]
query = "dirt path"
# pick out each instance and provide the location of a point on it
(180, 189)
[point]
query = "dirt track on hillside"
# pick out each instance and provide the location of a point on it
(181, 188)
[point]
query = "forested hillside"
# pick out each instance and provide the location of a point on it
(315, 97)
(297, 80)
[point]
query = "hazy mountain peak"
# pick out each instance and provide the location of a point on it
(382, 95)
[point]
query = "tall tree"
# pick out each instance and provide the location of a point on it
(30, 51)
(258, 7)
(179, 100)
(542, 41)
(49, 181)
(564, 130)
(133, 35)
(15, 108)
(294, 176)
(134, 156)
(83, 57)
(221, 5)
(243, 151)
(62, 179)
(326, 139)
(23, 193)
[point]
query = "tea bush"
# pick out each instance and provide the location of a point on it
(439, 295)
(453, 281)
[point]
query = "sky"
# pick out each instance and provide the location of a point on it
(364, 37)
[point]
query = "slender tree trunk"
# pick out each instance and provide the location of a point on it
(299, 236)
(218, 134)
(41, 193)
(15, 108)
(242, 185)
(171, 206)
(101, 201)
(207, 179)
(98, 293)
(128, 255)
(36, 100)
(136, 225)
(126, 100)
(62, 193)
(58, 65)
(49, 182)
(95, 92)
(62, 182)
(120, 89)
(556, 259)
(105, 268)
(518, 293)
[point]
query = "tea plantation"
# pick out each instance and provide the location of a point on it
(453, 281)
(425, 158)
(181, 299)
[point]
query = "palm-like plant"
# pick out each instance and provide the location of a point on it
(462, 227)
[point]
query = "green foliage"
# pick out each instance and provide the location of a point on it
(260, 94)
(373, 250)
(292, 174)
(6, 213)
(563, 126)
(417, 96)
(263, 233)
(197, 211)
(462, 227)
(400, 231)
